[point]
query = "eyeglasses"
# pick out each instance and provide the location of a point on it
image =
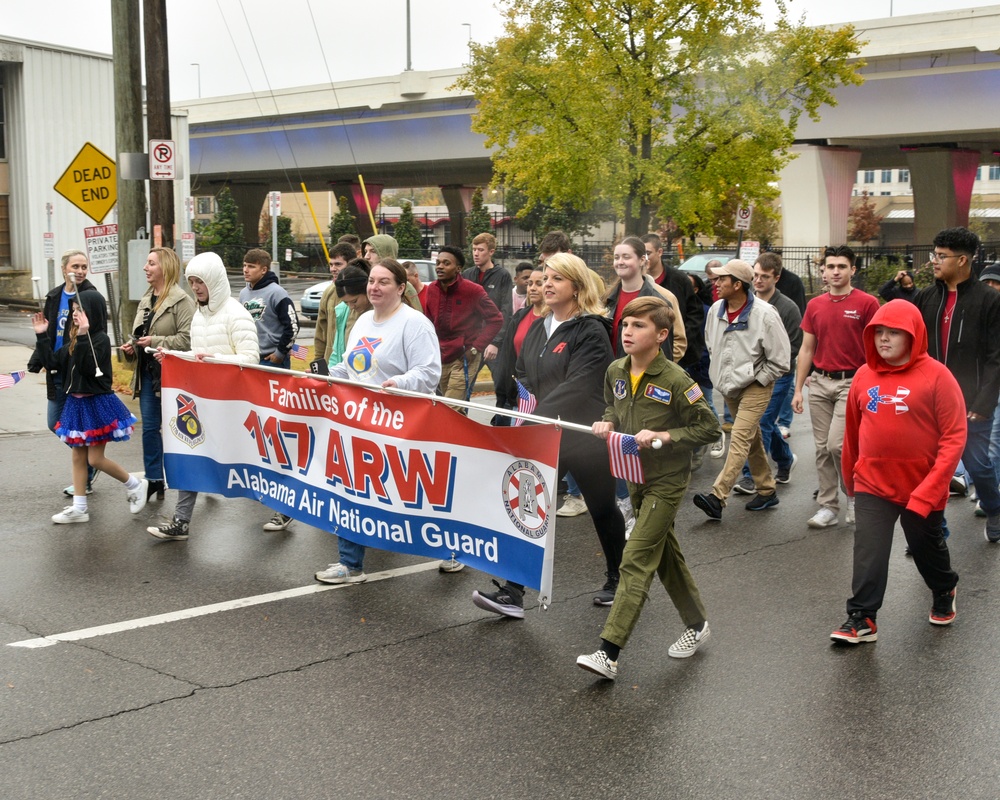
(938, 257)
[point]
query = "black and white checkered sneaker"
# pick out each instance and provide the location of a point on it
(690, 641)
(600, 664)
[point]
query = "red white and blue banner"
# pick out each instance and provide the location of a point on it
(394, 472)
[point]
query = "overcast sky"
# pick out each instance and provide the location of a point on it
(253, 45)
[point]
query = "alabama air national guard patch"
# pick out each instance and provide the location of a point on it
(694, 394)
(186, 426)
(619, 389)
(658, 394)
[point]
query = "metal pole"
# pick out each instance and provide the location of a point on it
(197, 66)
(274, 232)
(409, 61)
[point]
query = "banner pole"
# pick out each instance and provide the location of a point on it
(449, 401)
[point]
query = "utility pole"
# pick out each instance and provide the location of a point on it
(161, 193)
(128, 136)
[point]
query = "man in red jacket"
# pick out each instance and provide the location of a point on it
(904, 434)
(466, 320)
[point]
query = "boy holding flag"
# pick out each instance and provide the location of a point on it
(656, 403)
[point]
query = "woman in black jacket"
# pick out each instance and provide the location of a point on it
(562, 363)
(57, 313)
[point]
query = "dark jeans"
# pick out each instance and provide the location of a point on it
(774, 443)
(977, 461)
(152, 439)
(876, 519)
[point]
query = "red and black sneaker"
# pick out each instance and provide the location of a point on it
(859, 628)
(943, 608)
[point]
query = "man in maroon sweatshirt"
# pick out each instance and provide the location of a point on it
(466, 320)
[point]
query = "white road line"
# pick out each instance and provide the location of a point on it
(201, 611)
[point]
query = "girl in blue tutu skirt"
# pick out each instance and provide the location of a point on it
(93, 414)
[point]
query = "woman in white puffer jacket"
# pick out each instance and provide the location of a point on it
(223, 329)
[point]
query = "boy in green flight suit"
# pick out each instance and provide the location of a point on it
(653, 399)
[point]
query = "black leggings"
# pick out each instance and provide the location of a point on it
(586, 457)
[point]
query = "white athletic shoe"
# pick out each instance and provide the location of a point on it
(70, 514)
(824, 518)
(572, 506)
(849, 515)
(137, 497)
(718, 449)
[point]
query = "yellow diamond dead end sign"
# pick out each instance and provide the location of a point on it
(90, 183)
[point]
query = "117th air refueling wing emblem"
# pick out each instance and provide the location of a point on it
(186, 426)
(526, 499)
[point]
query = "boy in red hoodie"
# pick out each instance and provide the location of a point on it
(905, 432)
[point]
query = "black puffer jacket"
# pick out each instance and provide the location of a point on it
(51, 311)
(79, 368)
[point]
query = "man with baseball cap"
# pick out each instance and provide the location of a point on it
(750, 351)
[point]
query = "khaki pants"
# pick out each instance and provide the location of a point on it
(827, 409)
(454, 380)
(747, 407)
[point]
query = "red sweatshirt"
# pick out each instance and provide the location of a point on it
(463, 316)
(906, 426)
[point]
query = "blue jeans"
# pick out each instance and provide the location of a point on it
(571, 485)
(785, 415)
(774, 443)
(983, 471)
(352, 555)
(995, 442)
(286, 364)
(152, 439)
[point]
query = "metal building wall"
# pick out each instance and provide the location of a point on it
(58, 101)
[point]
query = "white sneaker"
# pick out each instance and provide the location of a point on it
(338, 573)
(70, 514)
(278, 522)
(824, 518)
(572, 506)
(137, 497)
(718, 449)
(849, 515)
(451, 565)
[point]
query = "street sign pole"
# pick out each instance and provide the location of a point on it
(51, 261)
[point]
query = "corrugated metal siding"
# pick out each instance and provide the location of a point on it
(58, 101)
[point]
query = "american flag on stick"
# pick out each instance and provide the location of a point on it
(624, 455)
(526, 401)
(300, 351)
(9, 379)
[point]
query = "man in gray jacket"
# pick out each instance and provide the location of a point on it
(750, 351)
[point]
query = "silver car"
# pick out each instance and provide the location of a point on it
(309, 304)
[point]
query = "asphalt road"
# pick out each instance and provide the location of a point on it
(402, 688)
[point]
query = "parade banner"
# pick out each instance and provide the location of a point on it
(399, 473)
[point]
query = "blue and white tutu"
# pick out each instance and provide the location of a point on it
(94, 419)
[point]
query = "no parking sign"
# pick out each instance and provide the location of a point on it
(162, 160)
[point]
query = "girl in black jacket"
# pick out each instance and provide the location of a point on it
(93, 415)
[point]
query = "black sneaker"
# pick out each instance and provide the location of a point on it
(175, 530)
(784, 474)
(943, 608)
(763, 501)
(508, 601)
(710, 504)
(860, 627)
(606, 596)
(745, 486)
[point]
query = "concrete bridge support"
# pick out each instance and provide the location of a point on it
(249, 199)
(942, 180)
(459, 202)
(816, 195)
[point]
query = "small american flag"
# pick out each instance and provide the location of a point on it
(300, 351)
(526, 401)
(8, 380)
(624, 455)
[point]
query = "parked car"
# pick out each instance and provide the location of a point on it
(698, 261)
(309, 304)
